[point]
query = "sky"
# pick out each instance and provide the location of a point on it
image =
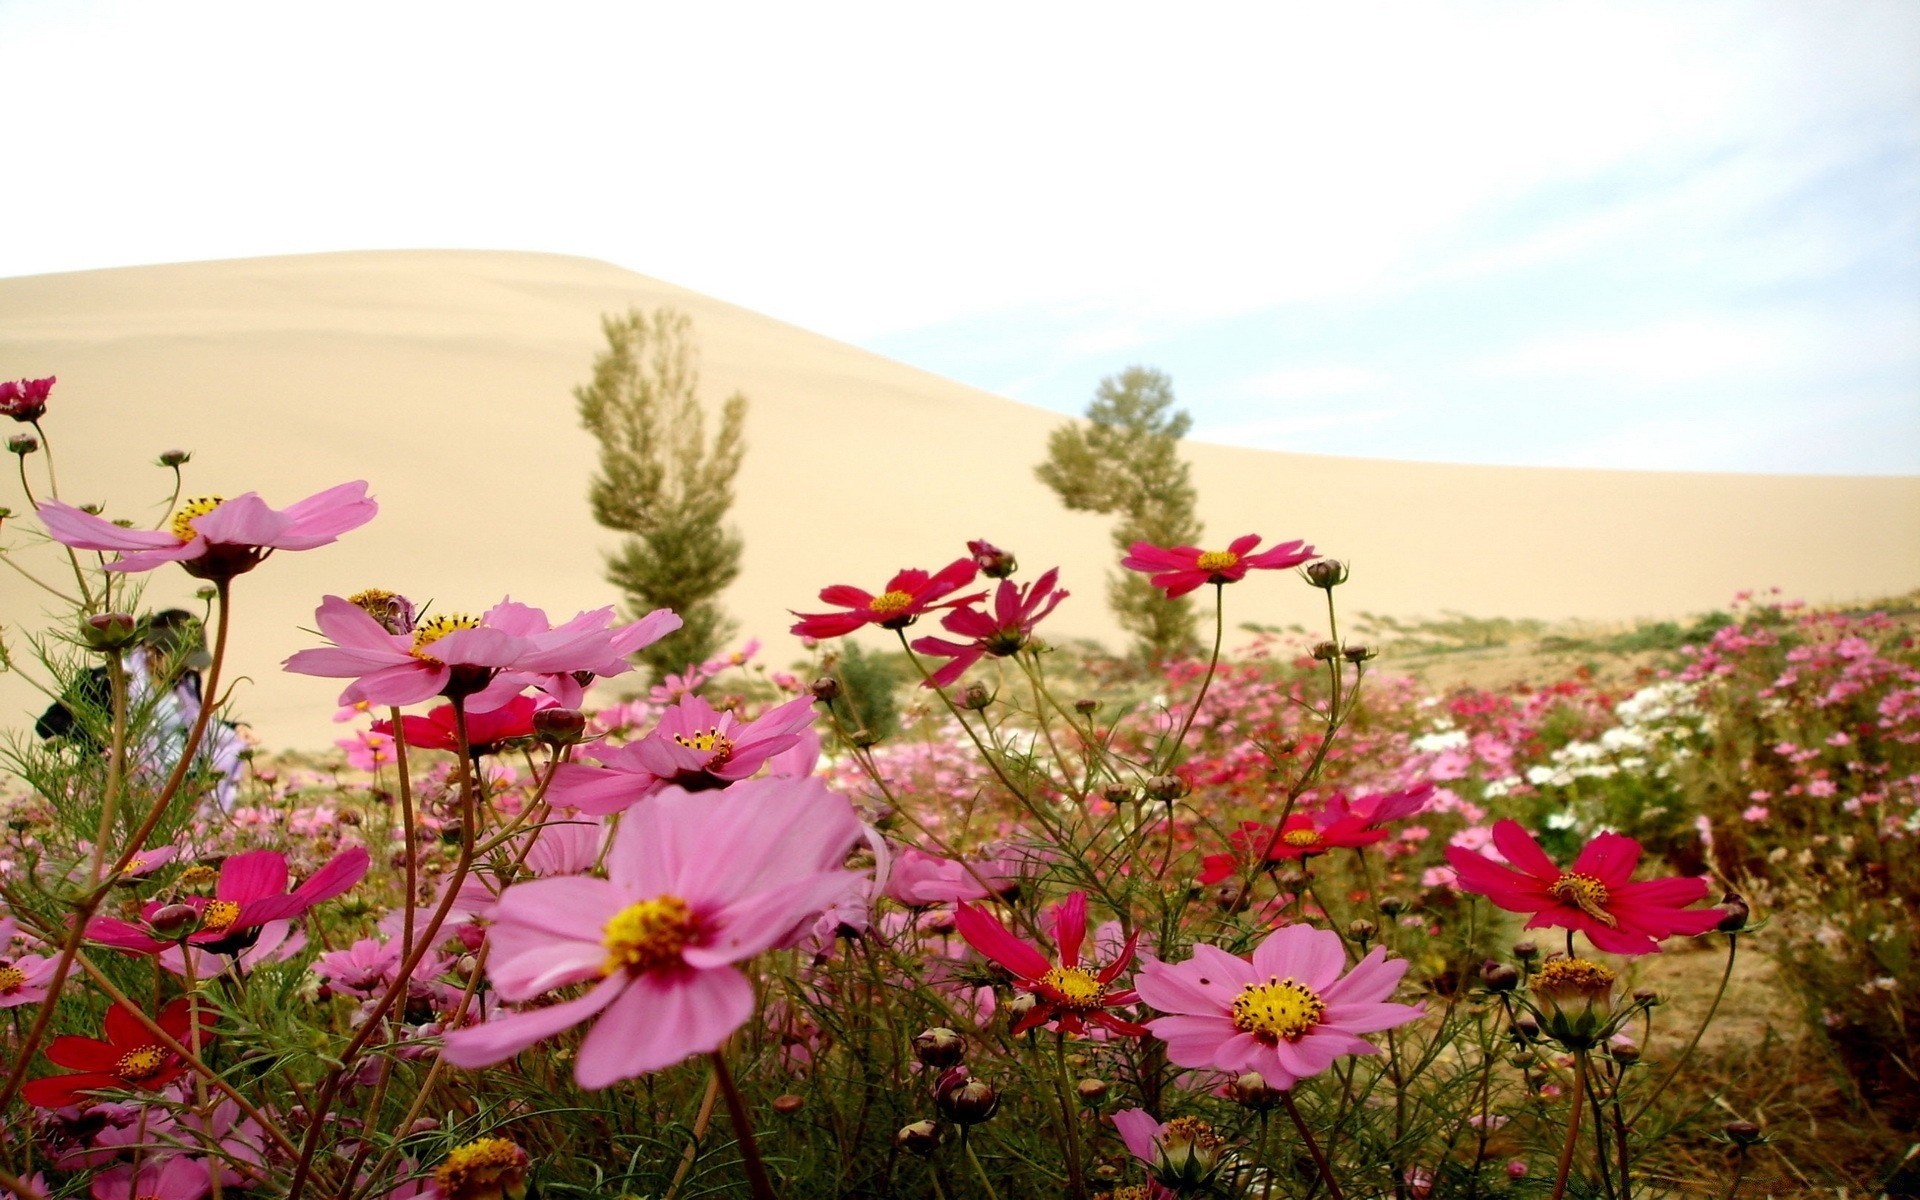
(1667, 235)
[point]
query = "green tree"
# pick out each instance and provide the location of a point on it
(1125, 460)
(662, 482)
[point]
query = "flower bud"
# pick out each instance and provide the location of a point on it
(1573, 998)
(1362, 930)
(1167, 788)
(1327, 573)
(1252, 1090)
(1326, 651)
(939, 1047)
(108, 631)
(1393, 906)
(1525, 1027)
(1623, 1050)
(826, 690)
(1646, 997)
(788, 1104)
(964, 1100)
(1117, 793)
(1092, 1092)
(1188, 1154)
(23, 444)
(993, 562)
(1526, 951)
(1356, 653)
(863, 739)
(919, 1138)
(1743, 1133)
(175, 458)
(1498, 976)
(1735, 906)
(975, 696)
(174, 921)
(560, 726)
(1019, 1006)
(1086, 706)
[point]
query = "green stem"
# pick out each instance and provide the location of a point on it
(1213, 664)
(1733, 942)
(1306, 1135)
(742, 1130)
(1573, 1127)
(967, 1145)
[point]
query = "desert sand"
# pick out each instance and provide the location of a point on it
(444, 378)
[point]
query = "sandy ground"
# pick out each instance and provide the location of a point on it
(445, 379)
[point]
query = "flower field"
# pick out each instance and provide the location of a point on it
(959, 913)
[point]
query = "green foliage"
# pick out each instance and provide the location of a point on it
(662, 482)
(868, 686)
(1125, 460)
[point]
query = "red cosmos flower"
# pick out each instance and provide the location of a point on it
(1300, 835)
(130, 1057)
(252, 891)
(486, 731)
(1597, 896)
(1016, 610)
(1068, 994)
(1178, 570)
(25, 399)
(906, 596)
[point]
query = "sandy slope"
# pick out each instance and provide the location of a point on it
(445, 377)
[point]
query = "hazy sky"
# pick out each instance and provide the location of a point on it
(1679, 234)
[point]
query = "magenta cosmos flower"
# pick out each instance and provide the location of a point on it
(695, 746)
(1597, 896)
(695, 884)
(1002, 632)
(1177, 570)
(1066, 994)
(906, 596)
(216, 538)
(562, 659)
(449, 655)
(1287, 1014)
(251, 891)
(487, 731)
(25, 399)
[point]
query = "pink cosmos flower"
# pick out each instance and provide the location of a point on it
(23, 980)
(252, 890)
(361, 968)
(1287, 1014)
(696, 883)
(906, 596)
(920, 879)
(1066, 995)
(368, 750)
(160, 1177)
(1183, 1151)
(1016, 610)
(216, 538)
(559, 656)
(25, 399)
(450, 655)
(695, 746)
(1597, 896)
(1178, 570)
(276, 941)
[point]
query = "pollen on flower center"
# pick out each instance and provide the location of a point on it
(1278, 1009)
(646, 935)
(492, 1166)
(1075, 987)
(182, 524)
(890, 604)
(218, 915)
(1217, 560)
(197, 875)
(12, 978)
(393, 611)
(143, 1063)
(431, 631)
(1573, 976)
(1585, 893)
(1301, 837)
(710, 741)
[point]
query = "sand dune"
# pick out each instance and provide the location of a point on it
(444, 378)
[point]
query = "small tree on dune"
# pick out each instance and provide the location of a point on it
(662, 482)
(1125, 460)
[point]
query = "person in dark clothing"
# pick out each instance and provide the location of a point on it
(169, 654)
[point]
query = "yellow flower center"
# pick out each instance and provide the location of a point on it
(647, 935)
(197, 875)
(182, 524)
(1301, 837)
(888, 604)
(1585, 893)
(135, 867)
(489, 1167)
(1133, 1191)
(707, 741)
(1278, 1009)
(1216, 560)
(431, 631)
(218, 915)
(12, 978)
(1573, 977)
(1078, 988)
(143, 1063)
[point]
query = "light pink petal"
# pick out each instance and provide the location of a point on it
(147, 560)
(598, 790)
(525, 962)
(1195, 1041)
(404, 683)
(567, 906)
(1177, 988)
(512, 617)
(324, 516)
(756, 923)
(504, 1037)
(661, 1019)
(346, 624)
(333, 663)
(1138, 1130)
(480, 647)
(773, 831)
(83, 531)
(1372, 979)
(1369, 1017)
(1312, 957)
(244, 520)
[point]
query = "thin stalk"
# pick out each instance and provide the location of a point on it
(1306, 1135)
(406, 824)
(1573, 1127)
(1733, 942)
(1213, 664)
(701, 1120)
(742, 1130)
(967, 1146)
(1076, 1174)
